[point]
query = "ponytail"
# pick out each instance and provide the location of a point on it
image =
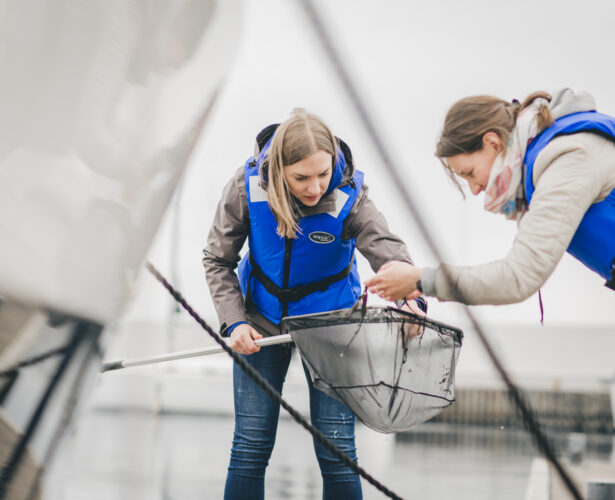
(544, 118)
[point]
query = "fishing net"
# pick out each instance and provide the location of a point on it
(368, 359)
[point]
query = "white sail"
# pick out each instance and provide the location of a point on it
(101, 103)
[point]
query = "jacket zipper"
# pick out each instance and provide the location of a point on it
(288, 243)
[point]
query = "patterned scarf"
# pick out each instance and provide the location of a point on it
(504, 192)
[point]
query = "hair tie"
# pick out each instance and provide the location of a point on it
(514, 108)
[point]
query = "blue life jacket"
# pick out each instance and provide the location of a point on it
(314, 272)
(594, 241)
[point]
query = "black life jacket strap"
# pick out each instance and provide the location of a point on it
(611, 283)
(286, 295)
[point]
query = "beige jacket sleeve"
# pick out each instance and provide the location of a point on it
(570, 174)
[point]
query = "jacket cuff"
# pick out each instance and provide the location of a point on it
(422, 303)
(227, 326)
(428, 281)
(230, 329)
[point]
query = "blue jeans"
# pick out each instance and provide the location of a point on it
(256, 422)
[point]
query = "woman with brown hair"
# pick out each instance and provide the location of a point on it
(304, 208)
(549, 164)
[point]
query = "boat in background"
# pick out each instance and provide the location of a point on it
(101, 106)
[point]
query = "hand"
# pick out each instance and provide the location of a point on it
(395, 280)
(412, 329)
(242, 339)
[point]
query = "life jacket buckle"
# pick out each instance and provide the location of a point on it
(286, 295)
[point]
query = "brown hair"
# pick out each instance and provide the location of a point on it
(469, 119)
(302, 135)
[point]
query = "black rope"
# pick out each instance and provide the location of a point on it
(271, 392)
(7, 385)
(394, 172)
(10, 467)
(33, 360)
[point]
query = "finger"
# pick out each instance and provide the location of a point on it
(393, 295)
(251, 347)
(244, 343)
(239, 347)
(414, 307)
(374, 280)
(255, 335)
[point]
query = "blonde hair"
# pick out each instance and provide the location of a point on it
(302, 135)
(469, 119)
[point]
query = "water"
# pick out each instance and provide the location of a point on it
(135, 455)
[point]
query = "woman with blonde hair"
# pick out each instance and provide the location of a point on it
(304, 208)
(549, 164)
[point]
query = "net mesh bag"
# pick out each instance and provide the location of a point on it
(368, 359)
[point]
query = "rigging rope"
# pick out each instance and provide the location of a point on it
(33, 360)
(271, 392)
(394, 171)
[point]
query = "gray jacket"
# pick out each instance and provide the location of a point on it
(231, 226)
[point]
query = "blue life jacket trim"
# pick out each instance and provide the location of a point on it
(594, 241)
(301, 275)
